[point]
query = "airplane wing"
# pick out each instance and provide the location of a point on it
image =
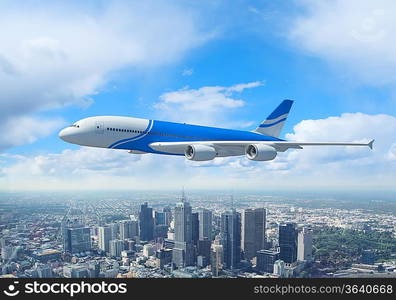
(280, 146)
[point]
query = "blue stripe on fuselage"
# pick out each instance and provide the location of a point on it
(132, 138)
(162, 131)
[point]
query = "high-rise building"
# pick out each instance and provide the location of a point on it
(304, 245)
(76, 240)
(128, 229)
(104, 237)
(130, 245)
(253, 231)
(195, 228)
(169, 243)
(231, 238)
(205, 224)
(146, 222)
(115, 230)
(116, 247)
(164, 257)
(217, 259)
(148, 250)
(168, 215)
(183, 251)
(288, 242)
(160, 218)
(6, 252)
(203, 249)
(279, 268)
(266, 260)
(160, 231)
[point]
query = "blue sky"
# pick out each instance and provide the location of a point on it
(63, 61)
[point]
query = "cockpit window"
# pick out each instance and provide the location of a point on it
(75, 125)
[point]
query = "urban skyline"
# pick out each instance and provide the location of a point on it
(92, 238)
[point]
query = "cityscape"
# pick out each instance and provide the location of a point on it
(194, 235)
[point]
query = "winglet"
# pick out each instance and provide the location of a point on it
(371, 144)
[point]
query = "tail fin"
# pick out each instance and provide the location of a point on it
(273, 125)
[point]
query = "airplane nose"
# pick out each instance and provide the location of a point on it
(65, 134)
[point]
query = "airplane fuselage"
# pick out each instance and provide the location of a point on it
(136, 134)
(198, 143)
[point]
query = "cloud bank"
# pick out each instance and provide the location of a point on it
(204, 105)
(356, 36)
(55, 55)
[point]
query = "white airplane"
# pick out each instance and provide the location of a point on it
(198, 143)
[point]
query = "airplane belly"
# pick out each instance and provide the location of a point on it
(177, 149)
(171, 149)
(230, 151)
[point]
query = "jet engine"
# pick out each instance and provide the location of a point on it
(200, 152)
(260, 152)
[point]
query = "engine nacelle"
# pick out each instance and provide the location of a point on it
(200, 152)
(260, 152)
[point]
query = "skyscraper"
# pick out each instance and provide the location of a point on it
(217, 259)
(115, 230)
(266, 260)
(253, 231)
(160, 231)
(195, 228)
(160, 218)
(203, 250)
(231, 238)
(205, 224)
(304, 249)
(288, 242)
(146, 222)
(168, 214)
(279, 268)
(104, 237)
(183, 251)
(116, 246)
(76, 240)
(128, 229)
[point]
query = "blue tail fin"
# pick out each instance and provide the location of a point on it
(273, 125)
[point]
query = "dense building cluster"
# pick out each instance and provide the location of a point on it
(166, 241)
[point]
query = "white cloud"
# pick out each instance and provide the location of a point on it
(204, 105)
(391, 155)
(53, 54)
(356, 127)
(357, 35)
(26, 130)
(92, 168)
